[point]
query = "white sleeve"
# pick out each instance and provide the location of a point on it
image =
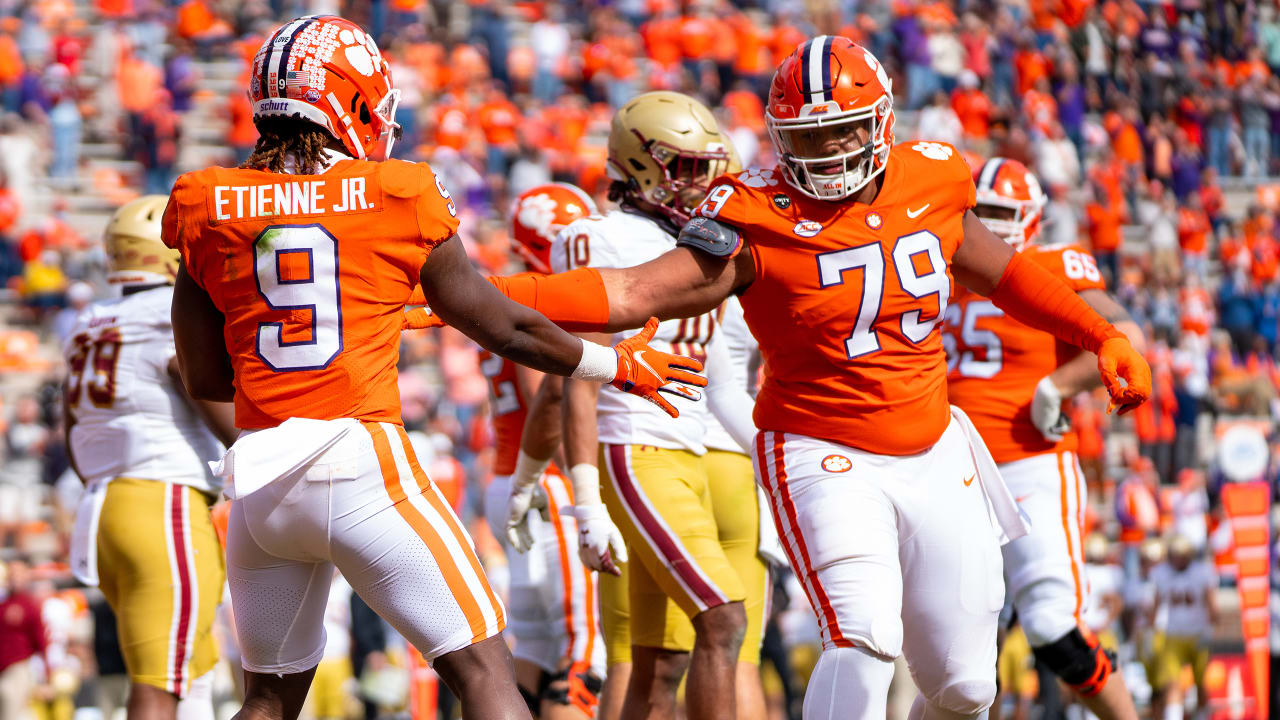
(727, 395)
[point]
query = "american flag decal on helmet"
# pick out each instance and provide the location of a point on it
(816, 77)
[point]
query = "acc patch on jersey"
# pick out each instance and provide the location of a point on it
(836, 463)
(807, 228)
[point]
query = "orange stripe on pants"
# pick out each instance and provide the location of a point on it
(1066, 532)
(567, 575)
(452, 575)
(433, 497)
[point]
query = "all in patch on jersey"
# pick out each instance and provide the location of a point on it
(807, 228)
(782, 202)
(874, 221)
(836, 463)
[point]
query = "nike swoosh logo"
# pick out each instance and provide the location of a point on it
(969, 480)
(639, 356)
(913, 213)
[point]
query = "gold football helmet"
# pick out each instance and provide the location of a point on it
(135, 253)
(667, 148)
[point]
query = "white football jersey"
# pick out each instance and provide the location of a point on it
(624, 239)
(1181, 595)
(1101, 580)
(744, 352)
(131, 419)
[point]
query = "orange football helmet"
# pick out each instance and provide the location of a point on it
(830, 114)
(326, 70)
(541, 212)
(1010, 201)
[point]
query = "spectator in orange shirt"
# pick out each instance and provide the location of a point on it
(1193, 234)
(1039, 107)
(11, 68)
(1030, 65)
(498, 118)
(751, 61)
(1211, 197)
(1103, 224)
(972, 106)
(1265, 259)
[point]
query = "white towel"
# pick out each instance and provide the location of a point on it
(1009, 518)
(84, 535)
(260, 457)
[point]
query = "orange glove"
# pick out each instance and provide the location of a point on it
(421, 319)
(645, 372)
(1125, 374)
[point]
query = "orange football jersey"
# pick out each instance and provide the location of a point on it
(995, 362)
(507, 409)
(847, 297)
(312, 273)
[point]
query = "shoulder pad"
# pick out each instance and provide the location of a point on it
(404, 179)
(711, 236)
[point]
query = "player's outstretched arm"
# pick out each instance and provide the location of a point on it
(680, 283)
(1079, 374)
(197, 334)
(463, 299)
(1033, 295)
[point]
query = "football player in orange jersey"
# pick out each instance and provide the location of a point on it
(844, 267)
(295, 272)
(551, 600)
(1011, 379)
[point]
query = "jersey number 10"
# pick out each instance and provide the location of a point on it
(297, 270)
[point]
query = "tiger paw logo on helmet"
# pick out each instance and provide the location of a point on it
(300, 73)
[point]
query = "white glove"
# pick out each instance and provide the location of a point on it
(1046, 411)
(600, 543)
(524, 489)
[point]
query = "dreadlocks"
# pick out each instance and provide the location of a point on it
(281, 137)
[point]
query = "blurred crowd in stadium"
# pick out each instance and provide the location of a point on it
(1154, 127)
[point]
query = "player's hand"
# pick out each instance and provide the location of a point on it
(645, 372)
(1125, 374)
(600, 544)
(421, 319)
(519, 503)
(1046, 411)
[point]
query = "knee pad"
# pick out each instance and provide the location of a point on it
(1079, 660)
(966, 697)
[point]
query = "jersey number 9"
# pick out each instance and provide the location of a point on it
(297, 270)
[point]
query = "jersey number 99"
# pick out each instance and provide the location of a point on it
(297, 270)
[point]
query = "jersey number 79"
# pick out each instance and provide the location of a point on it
(869, 258)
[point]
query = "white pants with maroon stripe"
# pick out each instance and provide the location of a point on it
(1045, 567)
(365, 506)
(551, 599)
(898, 555)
